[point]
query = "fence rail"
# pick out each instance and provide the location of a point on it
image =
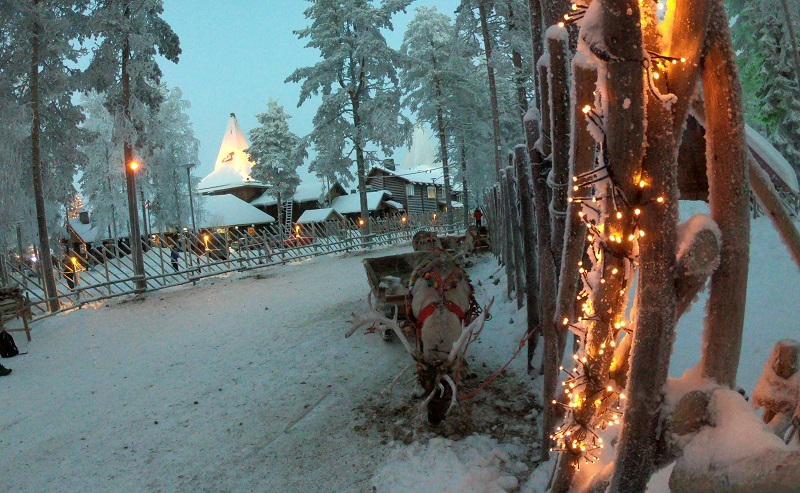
(105, 270)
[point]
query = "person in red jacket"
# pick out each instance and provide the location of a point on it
(478, 216)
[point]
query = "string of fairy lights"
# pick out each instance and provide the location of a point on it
(613, 231)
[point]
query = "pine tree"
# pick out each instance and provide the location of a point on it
(357, 79)
(276, 151)
(428, 77)
(39, 43)
(768, 72)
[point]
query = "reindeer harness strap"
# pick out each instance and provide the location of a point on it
(434, 281)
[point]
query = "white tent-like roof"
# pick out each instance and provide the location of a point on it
(233, 165)
(227, 210)
(319, 216)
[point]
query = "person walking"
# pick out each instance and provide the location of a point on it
(478, 216)
(174, 256)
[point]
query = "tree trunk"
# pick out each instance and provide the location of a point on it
(528, 230)
(535, 7)
(729, 202)
(487, 47)
(793, 40)
(513, 216)
(45, 258)
(361, 170)
(130, 173)
(443, 152)
(465, 198)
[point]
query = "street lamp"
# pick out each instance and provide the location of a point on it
(189, 167)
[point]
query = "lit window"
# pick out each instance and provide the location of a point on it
(410, 189)
(431, 192)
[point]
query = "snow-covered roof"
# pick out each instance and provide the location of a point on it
(306, 192)
(349, 204)
(396, 205)
(319, 216)
(419, 176)
(86, 232)
(228, 210)
(233, 165)
(759, 145)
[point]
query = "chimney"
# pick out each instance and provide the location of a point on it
(83, 216)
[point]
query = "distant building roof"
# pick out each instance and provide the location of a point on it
(306, 192)
(319, 216)
(226, 210)
(85, 232)
(396, 205)
(349, 204)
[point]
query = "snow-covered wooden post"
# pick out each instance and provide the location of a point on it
(582, 145)
(613, 237)
(653, 330)
(528, 230)
(508, 232)
(516, 228)
(729, 201)
(557, 46)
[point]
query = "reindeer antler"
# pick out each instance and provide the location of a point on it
(468, 331)
(374, 316)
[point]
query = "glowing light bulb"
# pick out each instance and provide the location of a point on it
(656, 75)
(642, 184)
(641, 233)
(660, 200)
(637, 211)
(586, 109)
(619, 215)
(560, 24)
(683, 60)
(575, 188)
(614, 270)
(565, 321)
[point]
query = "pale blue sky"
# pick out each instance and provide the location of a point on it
(236, 55)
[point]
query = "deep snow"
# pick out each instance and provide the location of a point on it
(246, 383)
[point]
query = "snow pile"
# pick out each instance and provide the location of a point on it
(477, 464)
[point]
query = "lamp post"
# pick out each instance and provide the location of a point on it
(189, 167)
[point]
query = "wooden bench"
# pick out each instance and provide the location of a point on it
(14, 305)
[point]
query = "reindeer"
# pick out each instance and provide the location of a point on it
(446, 318)
(426, 241)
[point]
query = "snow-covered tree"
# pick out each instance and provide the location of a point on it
(103, 179)
(357, 79)
(39, 44)
(428, 77)
(130, 35)
(768, 72)
(172, 146)
(276, 151)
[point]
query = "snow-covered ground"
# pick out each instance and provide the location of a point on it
(245, 382)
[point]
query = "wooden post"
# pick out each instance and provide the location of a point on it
(604, 316)
(729, 202)
(584, 76)
(513, 215)
(557, 45)
(654, 327)
(508, 249)
(528, 231)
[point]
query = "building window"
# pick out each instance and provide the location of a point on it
(431, 192)
(410, 189)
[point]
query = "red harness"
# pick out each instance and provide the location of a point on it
(441, 286)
